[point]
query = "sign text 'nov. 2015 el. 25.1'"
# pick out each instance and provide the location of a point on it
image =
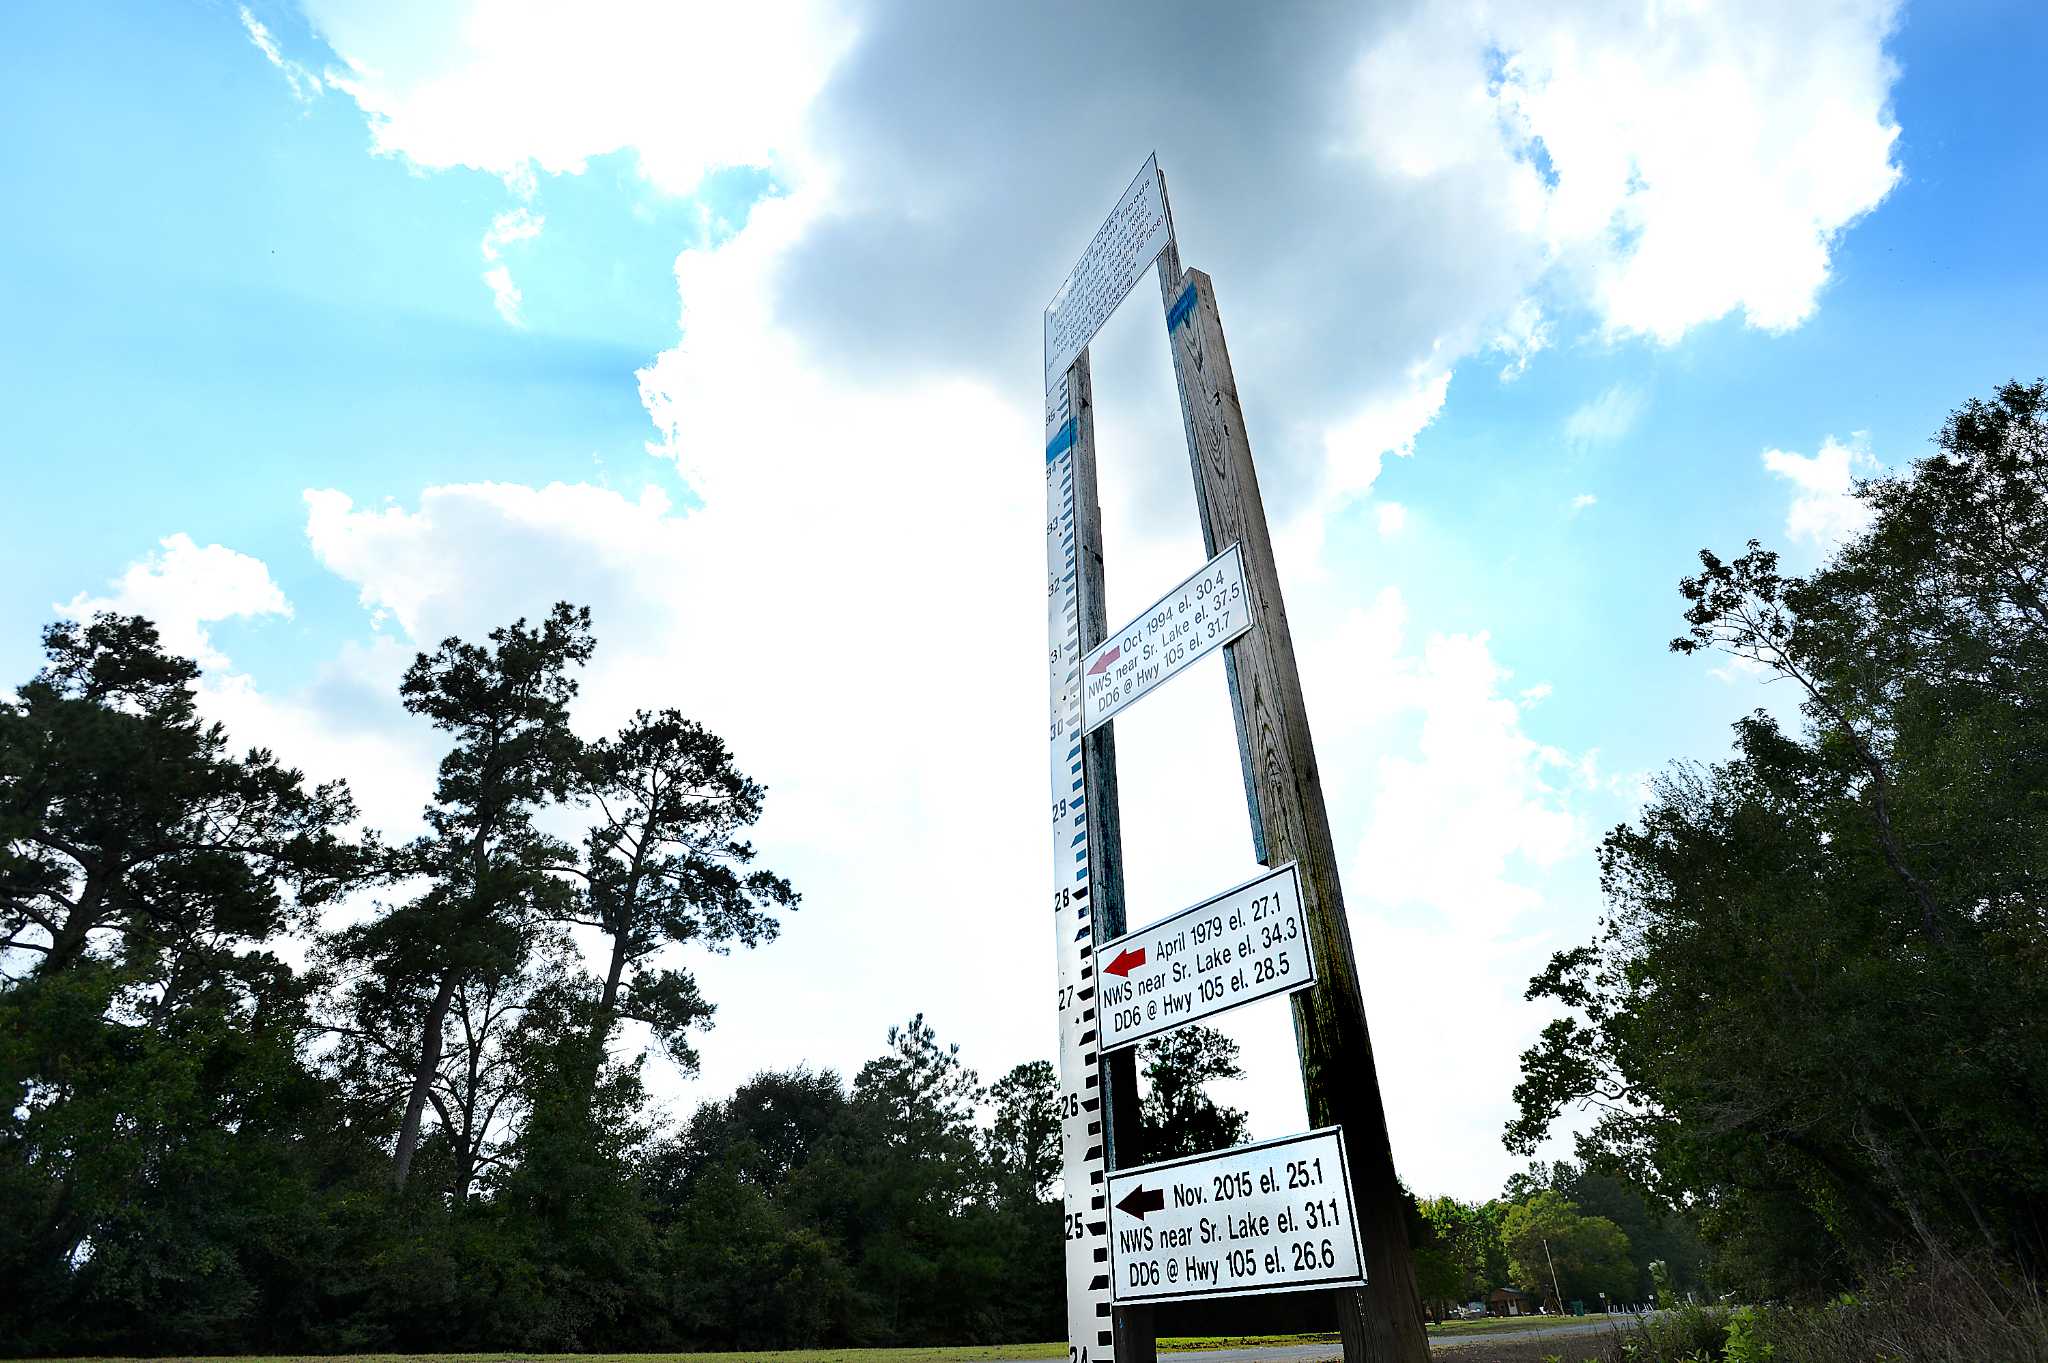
(1274, 1216)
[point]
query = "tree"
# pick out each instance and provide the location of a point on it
(1023, 1143)
(131, 830)
(160, 1137)
(1654, 1233)
(1438, 1278)
(197, 1148)
(921, 1190)
(771, 1128)
(1180, 1118)
(663, 866)
(1470, 1234)
(1815, 1011)
(485, 862)
(754, 1197)
(1588, 1254)
(568, 1196)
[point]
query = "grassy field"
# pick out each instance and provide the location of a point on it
(989, 1353)
(1454, 1328)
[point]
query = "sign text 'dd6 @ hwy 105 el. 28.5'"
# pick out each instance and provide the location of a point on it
(1274, 1216)
(1199, 616)
(1244, 944)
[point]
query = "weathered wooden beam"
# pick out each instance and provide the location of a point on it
(1382, 1323)
(1136, 1341)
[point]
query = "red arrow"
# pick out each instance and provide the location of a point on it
(1139, 1202)
(1106, 659)
(1125, 959)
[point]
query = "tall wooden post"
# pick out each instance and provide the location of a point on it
(1136, 1341)
(1383, 1322)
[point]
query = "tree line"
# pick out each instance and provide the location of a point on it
(1816, 1013)
(274, 1082)
(1562, 1232)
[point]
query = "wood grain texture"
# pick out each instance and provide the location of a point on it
(1132, 1326)
(1383, 1323)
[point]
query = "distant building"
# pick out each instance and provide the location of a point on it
(1509, 1301)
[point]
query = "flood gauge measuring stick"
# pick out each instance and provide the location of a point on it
(1085, 1224)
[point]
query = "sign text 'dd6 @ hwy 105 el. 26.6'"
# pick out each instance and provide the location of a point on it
(1199, 616)
(1244, 944)
(1274, 1216)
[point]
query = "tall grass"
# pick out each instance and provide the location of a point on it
(1954, 1312)
(1951, 1312)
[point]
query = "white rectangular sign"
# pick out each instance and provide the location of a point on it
(1123, 249)
(1244, 944)
(1199, 616)
(1274, 1216)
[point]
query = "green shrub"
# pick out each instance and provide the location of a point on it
(1689, 1334)
(1747, 1337)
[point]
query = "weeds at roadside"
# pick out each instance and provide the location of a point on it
(1953, 1312)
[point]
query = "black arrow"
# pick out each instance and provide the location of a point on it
(1139, 1202)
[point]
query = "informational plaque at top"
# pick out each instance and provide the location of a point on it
(1199, 616)
(1123, 249)
(1273, 1216)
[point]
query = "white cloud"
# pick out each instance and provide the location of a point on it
(1473, 796)
(344, 723)
(1457, 881)
(1388, 425)
(1659, 167)
(505, 87)
(1605, 419)
(505, 294)
(1392, 517)
(1524, 334)
(1582, 501)
(185, 588)
(305, 84)
(514, 225)
(1825, 510)
(1677, 163)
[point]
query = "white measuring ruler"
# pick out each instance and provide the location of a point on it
(1082, 1165)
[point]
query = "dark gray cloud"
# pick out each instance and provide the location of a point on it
(982, 146)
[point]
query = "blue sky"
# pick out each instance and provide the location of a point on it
(767, 400)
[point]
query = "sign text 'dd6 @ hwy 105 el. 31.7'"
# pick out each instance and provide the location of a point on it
(1274, 1216)
(1244, 944)
(1199, 616)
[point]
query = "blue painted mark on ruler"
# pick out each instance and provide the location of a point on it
(1061, 442)
(1178, 313)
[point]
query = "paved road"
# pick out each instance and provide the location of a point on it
(1334, 1353)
